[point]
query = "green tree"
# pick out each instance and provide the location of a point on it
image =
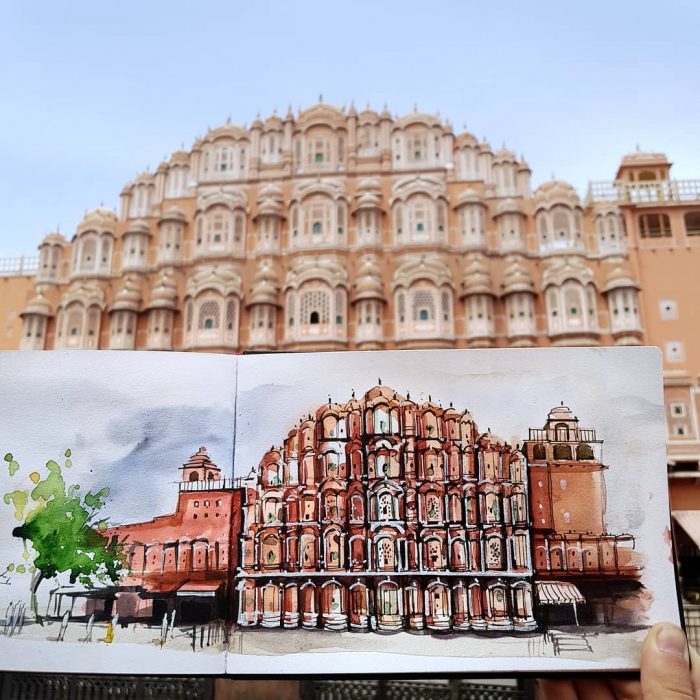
(61, 530)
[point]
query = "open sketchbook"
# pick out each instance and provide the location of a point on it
(375, 512)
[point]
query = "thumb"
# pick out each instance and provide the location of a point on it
(665, 664)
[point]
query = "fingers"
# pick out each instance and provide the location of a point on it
(553, 689)
(665, 664)
(695, 671)
(588, 689)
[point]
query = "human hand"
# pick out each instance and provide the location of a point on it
(670, 670)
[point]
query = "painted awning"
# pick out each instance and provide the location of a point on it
(558, 593)
(199, 588)
(689, 520)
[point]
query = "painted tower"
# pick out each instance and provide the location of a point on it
(577, 561)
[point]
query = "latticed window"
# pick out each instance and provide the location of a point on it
(339, 306)
(423, 306)
(239, 227)
(209, 315)
(445, 306)
(401, 304)
(315, 306)
(231, 315)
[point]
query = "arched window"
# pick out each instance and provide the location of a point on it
(511, 232)
(520, 312)
(494, 552)
(386, 554)
(479, 309)
(492, 508)
(539, 451)
(421, 219)
(561, 223)
(433, 508)
(471, 225)
(584, 451)
(562, 451)
(386, 506)
(622, 307)
(434, 554)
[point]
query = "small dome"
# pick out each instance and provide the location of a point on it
(556, 192)
(138, 226)
(179, 157)
(368, 116)
(38, 305)
(369, 283)
(509, 206)
(265, 288)
(382, 392)
(53, 238)
(273, 123)
(99, 218)
(128, 298)
(468, 196)
(476, 278)
(173, 213)
(489, 439)
(561, 413)
(466, 139)
(257, 122)
(164, 292)
(504, 156)
(517, 278)
(619, 278)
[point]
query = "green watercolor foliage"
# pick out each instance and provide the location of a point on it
(63, 529)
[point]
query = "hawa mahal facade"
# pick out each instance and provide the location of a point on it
(386, 514)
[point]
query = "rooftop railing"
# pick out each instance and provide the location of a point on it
(22, 265)
(211, 485)
(650, 192)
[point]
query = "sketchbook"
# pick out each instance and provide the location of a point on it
(430, 511)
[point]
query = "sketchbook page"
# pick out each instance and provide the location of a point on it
(116, 524)
(451, 511)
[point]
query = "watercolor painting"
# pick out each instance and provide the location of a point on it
(216, 514)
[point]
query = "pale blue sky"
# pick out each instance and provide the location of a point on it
(92, 93)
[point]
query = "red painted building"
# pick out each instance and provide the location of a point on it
(183, 561)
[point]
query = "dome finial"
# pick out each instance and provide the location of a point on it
(561, 403)
(320, 97)
(379, 381)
